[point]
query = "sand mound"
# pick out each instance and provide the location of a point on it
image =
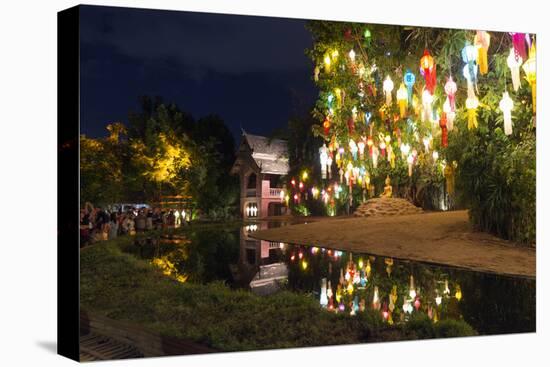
(380, 207)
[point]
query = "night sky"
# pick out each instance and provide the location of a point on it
(252, 71)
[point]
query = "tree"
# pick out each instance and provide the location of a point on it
(353, 64)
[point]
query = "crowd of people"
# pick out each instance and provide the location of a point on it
(101, 224)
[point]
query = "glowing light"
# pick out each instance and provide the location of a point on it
(458, 293)
(471, 104)
(304, 264)
(323, 298)
(388, 87)
(412, 291)
(351, 55)
(482, 40)
(530, 69)
(514, 62)
(305, 176)
(409, 80)
(506, 105)
(435, 155)
(438, 300)
(402, 99)
(427, 99)
(450, 90)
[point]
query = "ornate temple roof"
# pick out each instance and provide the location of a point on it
(270, 155)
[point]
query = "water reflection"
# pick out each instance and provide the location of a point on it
(346, 282)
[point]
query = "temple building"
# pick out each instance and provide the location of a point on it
(261, 164)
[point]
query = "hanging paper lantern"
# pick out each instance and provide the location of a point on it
(518, 40)
(409, 80)
(410, 161)
(316, 72)
(471, 105)
(402, 99)
(450, 90)
(375, 154)
(412, 291)
(469, 56)
(417, 303)
(482, 41)
(361, 147)
(470, 79)
(323, 155)
(327, 62)
(506, 105)
(514, 63)
(449, 114)
(388, 87)
(443, 126)
(324, 298)
(458, 293)
(367, 36)
(351, 55)
(326, 126)
(427, 69)
(530, 69)
(376, 299)
(438, 300)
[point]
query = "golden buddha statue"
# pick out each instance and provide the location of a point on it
(387, 189)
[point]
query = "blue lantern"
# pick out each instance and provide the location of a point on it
(409, 80)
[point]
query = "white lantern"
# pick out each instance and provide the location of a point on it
(506, 106)
(450, 114)
(323, 155)
(514, 64)
(388, 87)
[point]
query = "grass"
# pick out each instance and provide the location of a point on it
(120, 286)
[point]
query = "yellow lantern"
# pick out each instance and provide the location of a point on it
(388, 87)
(471, 105)
(458, 293)
(482, 40)
(530, 69)
(327, 62)
(402, 99)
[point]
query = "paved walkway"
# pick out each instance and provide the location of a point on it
(442, 238)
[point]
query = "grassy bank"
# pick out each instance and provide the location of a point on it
(122, 287)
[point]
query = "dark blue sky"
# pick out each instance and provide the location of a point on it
(249, 70)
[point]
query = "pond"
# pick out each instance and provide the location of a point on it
(343, 281)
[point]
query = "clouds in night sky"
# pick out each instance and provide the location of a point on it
(246, 69)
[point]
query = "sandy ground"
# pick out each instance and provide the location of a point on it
(442, 238)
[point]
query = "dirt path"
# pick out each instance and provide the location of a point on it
(442, 238)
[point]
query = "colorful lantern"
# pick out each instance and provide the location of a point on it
(367, 36)
(530, 69)
(402, 99)
(458, 293)
(323, 155)
(353, 149)
(388, 87)
(316, 72)
(518, 40)
(443, 126)
(410, 161)
(327, 62)
(450, 90)
(361, 147)
(375, 154)
(427, 69)
(351, 55)
(409, 80)
(412, 291)
(514, 63)
(324, 299)
(469, 56)
(376, 299)
(506, 105)
(427, 99)
(471, 104)
(449, 114)
(482, 41)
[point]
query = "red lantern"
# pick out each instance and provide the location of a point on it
(326, 125)
(351, 125)
(427, 69)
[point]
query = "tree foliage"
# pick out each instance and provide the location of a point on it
(494, 173)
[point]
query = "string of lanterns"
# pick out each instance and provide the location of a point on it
(356, 152)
